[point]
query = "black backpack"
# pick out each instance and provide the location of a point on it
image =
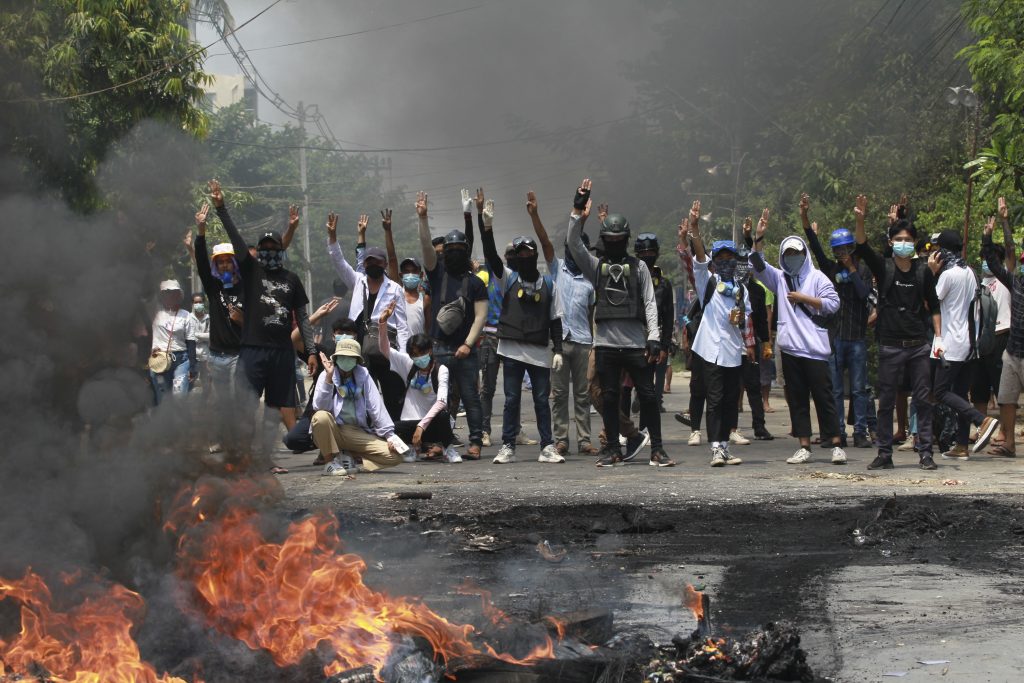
(983, 340)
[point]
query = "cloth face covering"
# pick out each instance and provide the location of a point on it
(650, 260)
(792, 263)
(456, 261)
(614, 250)
(374, 272)
(903, 249)
(528, 267)
(726, 270)
(270, 259)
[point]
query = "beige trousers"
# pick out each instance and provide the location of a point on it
(332, 438)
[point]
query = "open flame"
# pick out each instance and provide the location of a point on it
(694, 601)
(87, 642)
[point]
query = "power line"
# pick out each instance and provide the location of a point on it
(155, 72)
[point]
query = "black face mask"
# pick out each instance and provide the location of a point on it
(570, 263)
(512, 263)
(614, 250)
(456, 262)
(374, 272)
(650, 260)
(528, 267)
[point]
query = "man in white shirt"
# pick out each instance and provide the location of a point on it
(955, 288)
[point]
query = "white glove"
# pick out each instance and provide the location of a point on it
(556, 362)
(467, 201)
(489, 212)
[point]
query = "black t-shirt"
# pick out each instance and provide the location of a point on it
(270, 297)
(476, 290)
(225, 335)
(902, 314)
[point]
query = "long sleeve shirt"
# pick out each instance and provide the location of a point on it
(717, 340)
(225, 335)
(852, 322)
(575, 298)
(370, 414)
(389, 291)
(1015, 283)
(617, 334)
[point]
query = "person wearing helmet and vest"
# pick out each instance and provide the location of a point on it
(627, 335)
(849, 328)
(459, 310)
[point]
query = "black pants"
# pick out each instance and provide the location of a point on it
(951, 383)
(698, 392)
(892, 362)
(392, 386)
(438, 431)
(298, 439)
(807, 378)
(985, 372)
(722, 386)
(752, 384)
(610, 364)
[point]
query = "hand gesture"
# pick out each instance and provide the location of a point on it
(488, 213)
(364, 220)
(421, 204)
(814, 227)
(531, 203)
(935, 262)
(385, 219)
(860, 209)
(328, 366)
(586, 209)
(579, 202)
(467, 202)
(748, 227)
(319, 313)
(1004, 210)
(293, 216)
(694, 217)
(187, 241)
(332, 226)
(602, 212)
(684, 230)
(386, 313)
(762, 224)
(216, 195)
(990, 226)
(479, 200)
(894, 213)
(805, 205)
(201, 218)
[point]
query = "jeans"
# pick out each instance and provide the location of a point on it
(489, 369)
(951, 384)
(463, 372)
(852, 355)
(299, 439)
(892, 362)
(576, 358)
(174, 380)
(540, 379)
(223, 375)
(610, 364)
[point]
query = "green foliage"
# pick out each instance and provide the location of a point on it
(54, 57)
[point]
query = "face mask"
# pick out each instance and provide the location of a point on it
(199, 309)
(411, 281)
(726, 270)
(570, 263)
(614, 250)
(270, 259)
(339, 337)
(840, 252)
(347, 363)
(649, 260)
(985, 269)
(456, 262)
(792, 263)
(512, 263)
(903, 249)
(421, 361)
(528, 267)
(375, 272)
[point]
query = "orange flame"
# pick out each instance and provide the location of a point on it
(693, 599)
(90, 642)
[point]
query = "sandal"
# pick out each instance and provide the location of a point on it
(1001, 451)
(276, 469)
(472, 453)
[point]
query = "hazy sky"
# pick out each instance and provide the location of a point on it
(454, 80)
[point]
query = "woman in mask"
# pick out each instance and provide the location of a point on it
(804, 297)
(425, 423)
(173, 354)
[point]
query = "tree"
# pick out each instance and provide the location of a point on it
(76, 75)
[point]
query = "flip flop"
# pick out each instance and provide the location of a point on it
(278, 470)
(1001, 452)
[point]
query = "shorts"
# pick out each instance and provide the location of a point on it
(1011, 380)
(271, 374)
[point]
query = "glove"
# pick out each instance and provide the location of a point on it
(556, 362)
(467, 201)
(579, 202)
(489, 212)
(653, 349)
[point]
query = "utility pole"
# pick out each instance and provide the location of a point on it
(305, 208)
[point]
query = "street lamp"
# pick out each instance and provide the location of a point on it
(963, 96)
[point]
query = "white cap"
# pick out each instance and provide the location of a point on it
(791, 243)
(170, 286)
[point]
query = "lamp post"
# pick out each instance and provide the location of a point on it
(963, 96)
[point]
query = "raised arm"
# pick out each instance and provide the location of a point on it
(763, 271)
(361, 243)
(538, 227)
(389, 245)
(1011, 252)
(694, 228)
(988, 253)
(860, 212)
(341, 266)
(487, 240)
(811, 234)
(199, 253)
(293, 225)
(382, 339)
(586, 261)
(217, 198)
(429, 255)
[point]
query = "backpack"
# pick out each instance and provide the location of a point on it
(983, 340)
(889, 279)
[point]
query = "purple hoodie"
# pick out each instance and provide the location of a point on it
(797, 334)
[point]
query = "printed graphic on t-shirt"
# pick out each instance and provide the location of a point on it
(280, 317)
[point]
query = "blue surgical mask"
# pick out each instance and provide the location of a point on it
(903, 249)
(411, 280)
(985, 270)
(339, 337)
(421, 361)
(347, 363)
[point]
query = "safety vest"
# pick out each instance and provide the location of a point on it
(526, 311)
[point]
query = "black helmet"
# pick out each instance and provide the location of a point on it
(614, 224)
(520, 242)
(455, 237)
(646, 241)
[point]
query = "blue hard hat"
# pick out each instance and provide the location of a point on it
(722, 245)
(840, 238)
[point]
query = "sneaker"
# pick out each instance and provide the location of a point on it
(957, 452)
(342, 464)
(694, 439)
(800, 457)
(881, 462)
(635, 443)
(609, 457)
(485, 440)
(861, 441)
(461, 413)
(838, 456)
(550, 454)
(683, 417)
(659, 458)
(731, 459)
(348, 462)
(457, 441)
(506, 454)
(523, 440)
(927, 463)
(717, 456)
(908, 445)
(985, 432)
(334, 469)
(451, 455)
(737, 438)
(763, 435)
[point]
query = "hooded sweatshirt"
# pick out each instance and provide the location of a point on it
(797, 334)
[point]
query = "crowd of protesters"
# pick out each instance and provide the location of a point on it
(425, 335)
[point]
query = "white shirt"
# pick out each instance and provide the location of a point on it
(717, 340)
(531, 354)
(202, 328)
(417, 402)
(389, 291)
(955, 290)
(1002, 296)
(177, 326)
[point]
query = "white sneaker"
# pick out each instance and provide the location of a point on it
(452, 455)
(485, 440)
(718, 457)
(342, 464)
(694, 439)
(838, 456)
(731, 459)
(348, 462)
(738, 439)
(801, 456)
(523, 440)
(506, 454)
(550, 454)
(333, 469)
